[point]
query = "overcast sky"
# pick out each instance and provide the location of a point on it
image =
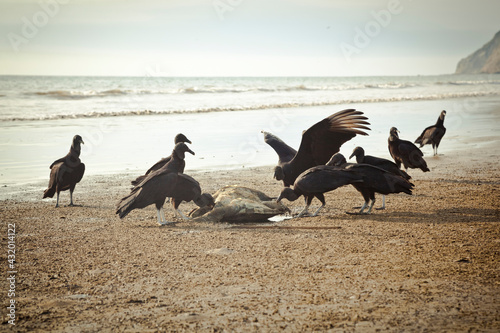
(242, 37)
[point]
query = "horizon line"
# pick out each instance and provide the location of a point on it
(231, 76)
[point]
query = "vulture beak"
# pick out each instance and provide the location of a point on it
(190, 151)
(81, 141)
(351, 155)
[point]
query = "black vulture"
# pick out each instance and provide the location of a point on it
(383, 163)
(433, 134)
(338, 160)
(66, 172)
(316, 181)
(188, 189)
(405, 152)
(284, 151)
(377, 180)
(318, 144)
(367, 179)
(156, 186)
(178, 138)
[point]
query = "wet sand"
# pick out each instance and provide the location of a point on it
(132, 144)
(429, 262)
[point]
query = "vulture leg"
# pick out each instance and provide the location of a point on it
(317, 211)
(383, 203)
(159, 217)
(367, 201)
(304, 211)
(371, 206)
(363, 207)
(175, 210)
(308, 204)
(362, 210)
(57, 201)
(306, 208)
(161, 213)
(321, 198)
(182, 215)
(71, 198)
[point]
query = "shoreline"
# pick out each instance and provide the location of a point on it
(27, 191)
(220, 142)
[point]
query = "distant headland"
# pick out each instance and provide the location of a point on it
(485, 60)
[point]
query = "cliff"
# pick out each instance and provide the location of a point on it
(485, 60)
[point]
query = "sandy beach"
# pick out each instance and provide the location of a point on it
(429, 262)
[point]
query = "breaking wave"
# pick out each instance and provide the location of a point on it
(468, 82)
(250, 107)
(222, 89)
(76, 94)
(72, 94)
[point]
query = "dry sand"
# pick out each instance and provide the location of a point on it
(429, 262)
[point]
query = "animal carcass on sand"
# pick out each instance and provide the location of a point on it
(239, 204)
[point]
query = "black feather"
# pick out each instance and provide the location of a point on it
(67, 171)
(321, 141)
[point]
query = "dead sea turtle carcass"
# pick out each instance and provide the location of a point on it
(239, 204)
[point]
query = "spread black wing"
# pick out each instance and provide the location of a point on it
(324, 139)
(284, 151)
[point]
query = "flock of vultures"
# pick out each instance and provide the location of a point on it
(315, 168)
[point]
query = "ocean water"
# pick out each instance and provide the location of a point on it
(128, 123)
(46, 97)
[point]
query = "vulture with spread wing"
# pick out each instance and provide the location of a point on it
(318, 144)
